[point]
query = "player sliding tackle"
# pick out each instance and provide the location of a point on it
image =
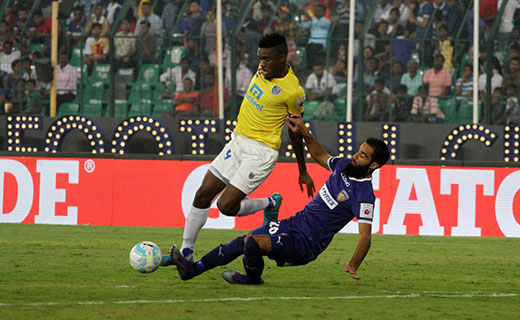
(298, 240)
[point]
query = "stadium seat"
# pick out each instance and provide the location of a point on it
(93, 108)
(101, 73)
(75, 59)
(310, 108)
(69, 108)
(173, 57)
(149, 73)
(448, 108)
(466, 112)
(120, 108)
(36, 47)
(140, 108)
(162, 106)
(93, 91)
(141, 92)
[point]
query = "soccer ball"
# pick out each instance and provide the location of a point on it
(145, 257)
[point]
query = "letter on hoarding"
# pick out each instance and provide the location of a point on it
(509, 225)
(49, 195)
(467, 180)
(424, 205)
(24, 197)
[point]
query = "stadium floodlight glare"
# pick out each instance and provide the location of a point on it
(391, 137)
(346, 138)
(199, 130)
(458, 136)
(16, 126)
(128, 128)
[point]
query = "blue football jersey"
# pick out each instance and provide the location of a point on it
(339, 200)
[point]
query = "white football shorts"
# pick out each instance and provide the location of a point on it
(244, 163)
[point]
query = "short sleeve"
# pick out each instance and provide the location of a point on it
(364, 212)
(333, 162)
(295, 102)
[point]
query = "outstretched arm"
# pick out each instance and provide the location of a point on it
(317, 152)
(365, 238)
(304, 178)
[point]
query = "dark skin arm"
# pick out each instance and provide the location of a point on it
(304, 178)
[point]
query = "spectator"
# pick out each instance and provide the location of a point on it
(505, 29)
(44, 70)
(370, 74)
(66, 80)
(396, 74)
(186, 101)
(445, 47)
(63, 43)
(497, 106)
(177, 75)
(393, 21)
(77, 24)
(319, 28)
(488, 11)
(191, 25)
(512, 112)
(153, 19)
(96, 48)
(464, 86)
(261, 25)
(192, 49)
(421, 20)
(442, 7)
(28, 72)
(146, 43)
(33, 100)
(98, 18)
(403, 12)
(8, 56)
(169, 14)
(21, 20)
(209, 30)
(343, 16)
(378, 103)
(284, 24)
(125, 46)
(12, 79)
(382, 10)
(437, 78)
(113, 9)
(3, 99)
(209, 98)
(513, 76)
(426, 108)
(4, 35)
(402, 47)
(310, 9)
(243, 77)
(257, 8)
(401, 104)
(496, 77)
(339, 69)
(320, 84)
(43, 27)
(454, 17)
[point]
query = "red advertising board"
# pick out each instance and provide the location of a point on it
(425, 200)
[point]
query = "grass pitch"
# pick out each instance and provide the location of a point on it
(82, 272)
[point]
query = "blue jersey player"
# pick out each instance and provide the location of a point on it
(298, 240)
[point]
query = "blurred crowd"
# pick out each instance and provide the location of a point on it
(412, 59)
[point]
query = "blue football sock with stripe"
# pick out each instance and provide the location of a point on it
(222, 255)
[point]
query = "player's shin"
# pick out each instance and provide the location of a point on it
(194, 222)
(253, 261)
(249, 206)
(222, 255)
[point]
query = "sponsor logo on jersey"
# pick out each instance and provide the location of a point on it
(276, 90)
(300, 102)
(345, 179)
(342, 196)
(327, 197)
(366, 211)
(256, 91)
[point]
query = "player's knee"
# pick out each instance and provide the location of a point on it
(258, 244)
(252, 247)
(228, 208)
(202, 199)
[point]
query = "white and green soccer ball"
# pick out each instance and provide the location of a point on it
(145, 257)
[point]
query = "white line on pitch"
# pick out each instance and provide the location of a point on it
(392, 296)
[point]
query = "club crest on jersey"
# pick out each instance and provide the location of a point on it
(343, 196)
(276, 90)
(300, 102)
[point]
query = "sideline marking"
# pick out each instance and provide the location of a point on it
(392, 296)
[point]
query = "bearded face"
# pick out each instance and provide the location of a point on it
(357, 171)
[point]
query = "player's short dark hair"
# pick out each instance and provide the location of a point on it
(274, 40)
(381, 153)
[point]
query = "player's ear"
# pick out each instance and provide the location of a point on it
(374, 165)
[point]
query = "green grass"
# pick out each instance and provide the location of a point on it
(82, 272)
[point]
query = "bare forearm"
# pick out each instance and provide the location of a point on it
(361, 251)
(297, 143)
(318, 153)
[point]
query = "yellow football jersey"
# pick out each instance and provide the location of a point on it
(266, 105)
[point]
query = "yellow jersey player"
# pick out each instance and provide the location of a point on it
(248, 159)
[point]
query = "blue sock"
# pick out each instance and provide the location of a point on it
(222, 255)
(253, 260)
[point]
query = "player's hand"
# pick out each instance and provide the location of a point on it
(352, 272)
(306, 179)
(296, 123)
